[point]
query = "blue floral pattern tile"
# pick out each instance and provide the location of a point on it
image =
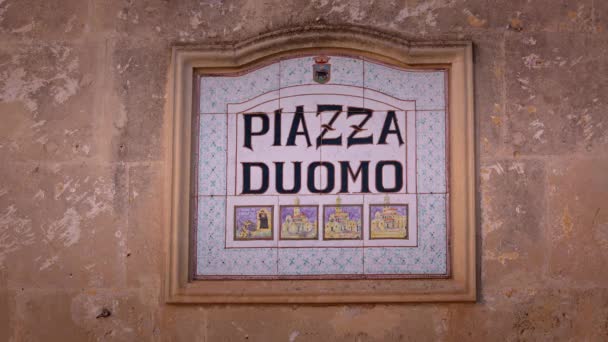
(429, 258)
(430, 152)
(427, 88)
(344, 71)
(212, 155)
(320, 261)
(216, 92)
(213, 258)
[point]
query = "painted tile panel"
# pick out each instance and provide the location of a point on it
(314, 231)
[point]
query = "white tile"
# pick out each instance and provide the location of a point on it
(379, 101)
(311, 96)
(265, 103)
(262, 148)
(393, 152)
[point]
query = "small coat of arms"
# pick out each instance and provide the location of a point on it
(321, 70)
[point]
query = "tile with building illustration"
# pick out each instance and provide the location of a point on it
(388, 221)
(342, 221)
(299, 222)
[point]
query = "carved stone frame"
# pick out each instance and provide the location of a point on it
(179, 286)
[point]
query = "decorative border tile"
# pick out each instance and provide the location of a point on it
(212, 256)
(429, 257)
(212, 155)
(427, 88)
(320, 261)
(430, 152)
(216, 91)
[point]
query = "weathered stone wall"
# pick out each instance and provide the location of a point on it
(82, 95)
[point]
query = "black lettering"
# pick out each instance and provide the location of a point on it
(297, 183)
(345, 171)
(298, 120)
(391, 118)
(330, 177)
(248, 127)
(380, 177)
(247, 178)
(329, 126)
(277, 127)
(352, 140)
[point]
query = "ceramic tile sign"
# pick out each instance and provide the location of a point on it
(322, 165)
